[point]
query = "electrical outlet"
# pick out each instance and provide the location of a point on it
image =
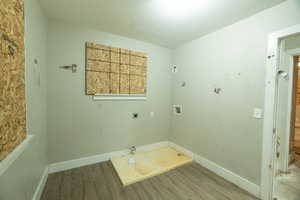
(257, 113)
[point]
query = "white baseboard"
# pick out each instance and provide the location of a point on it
(226, 174)
(182, 150)
(70, 164)
(149, 147)
(230, 176)
(39, 190)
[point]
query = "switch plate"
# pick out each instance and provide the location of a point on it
(257, 113)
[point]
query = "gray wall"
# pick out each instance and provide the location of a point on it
(221, 127)
(22, 177)
(78, 126)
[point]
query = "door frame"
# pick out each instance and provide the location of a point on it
(289, 55)
(269, 128)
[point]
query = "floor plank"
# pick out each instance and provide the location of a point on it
(100, 182)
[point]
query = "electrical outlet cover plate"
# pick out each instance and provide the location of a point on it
(257, 113)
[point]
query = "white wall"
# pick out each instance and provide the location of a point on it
(221, 127)
(78, 126)
(21, 179)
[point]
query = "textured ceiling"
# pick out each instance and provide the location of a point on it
(167, 23)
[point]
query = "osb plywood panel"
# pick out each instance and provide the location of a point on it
(115, 83)
(137, 84)
(12, 83)
(98, 66)
(97, 82)
(148, 164)
(124, 84)
(111, 70)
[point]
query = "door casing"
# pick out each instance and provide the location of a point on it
(269, 129)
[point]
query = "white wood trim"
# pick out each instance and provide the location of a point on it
(225, 173)
(289, 55)
(228, 175)
(39, 190)
(147, 147)
(286, 145)
(119, 98)
(241, 182)
(150, 147)
(293, 52)
(70, 164)
(269, 138)
(4, 164)
(182, 149)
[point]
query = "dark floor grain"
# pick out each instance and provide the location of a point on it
(100, 182)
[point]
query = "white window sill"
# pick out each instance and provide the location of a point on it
(4, 164)
(119, 98)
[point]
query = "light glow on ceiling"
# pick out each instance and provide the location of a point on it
(181, 8)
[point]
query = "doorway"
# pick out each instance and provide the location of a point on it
(287, 176)
(279, 163)
(295, 144)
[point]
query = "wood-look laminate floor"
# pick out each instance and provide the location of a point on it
(100, 182)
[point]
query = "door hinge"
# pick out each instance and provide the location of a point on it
(269, 57)
(274, 130)
(278, 141)
(278, 154)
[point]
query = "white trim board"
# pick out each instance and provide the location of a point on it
(4, 164)
(70, 164)
(288, 60)
(39, 190)
(270, 134)
(225, 173)
(119, 98)
(241, 182)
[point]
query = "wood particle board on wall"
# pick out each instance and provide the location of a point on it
(12, 74)
(111, 70)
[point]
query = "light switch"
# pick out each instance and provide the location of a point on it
(257, 113)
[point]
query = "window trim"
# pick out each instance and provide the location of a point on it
(121, 97)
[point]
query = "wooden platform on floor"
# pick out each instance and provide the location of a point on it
(148, 164)
(100, 182)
